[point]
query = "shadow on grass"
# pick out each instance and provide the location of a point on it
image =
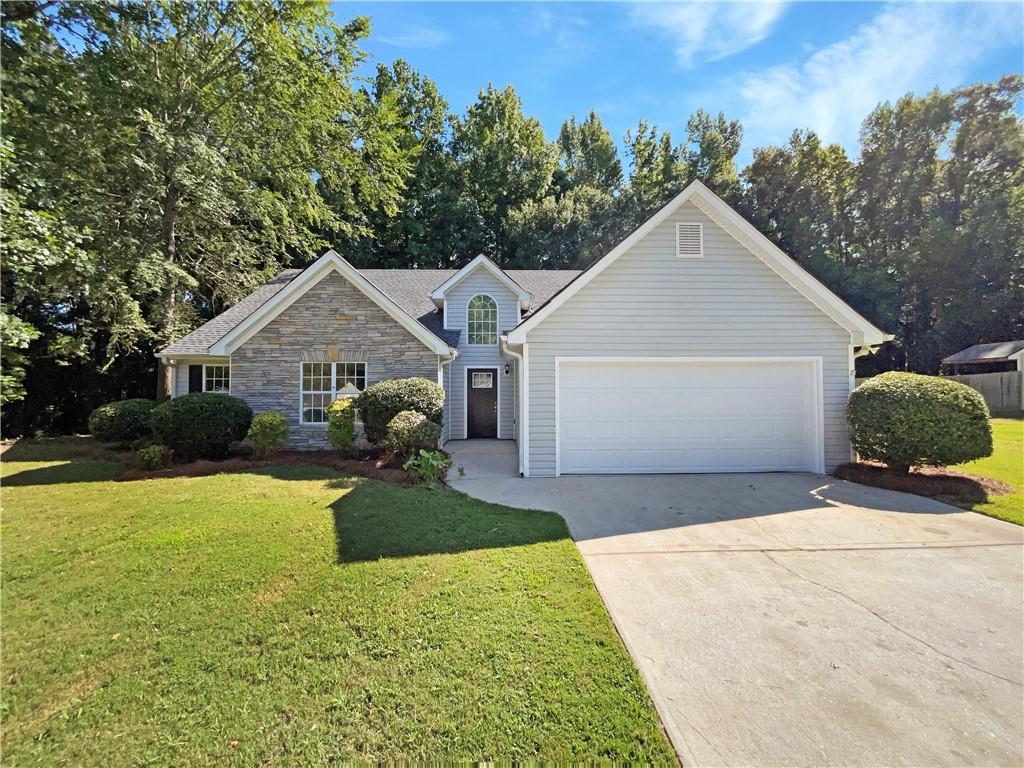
(78, 471)
(376, 520)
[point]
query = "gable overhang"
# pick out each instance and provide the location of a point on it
(328, 263)
(862, 332)
(482, 262)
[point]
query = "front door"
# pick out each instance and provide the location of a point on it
(481, 402)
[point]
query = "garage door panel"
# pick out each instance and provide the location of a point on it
(686, 416)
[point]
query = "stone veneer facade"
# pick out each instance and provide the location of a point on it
(333, 320)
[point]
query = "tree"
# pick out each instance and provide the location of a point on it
(588, 155)
(656, 173)
(191, 142)
(710, 151)
(505, 162)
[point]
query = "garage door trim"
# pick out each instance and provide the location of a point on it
(816, 393)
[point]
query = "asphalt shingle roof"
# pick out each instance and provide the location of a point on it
(409, 288)
(987, 353)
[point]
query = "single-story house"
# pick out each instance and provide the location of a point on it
(997, 357)
(695, 345)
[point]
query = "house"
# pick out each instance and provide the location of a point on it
(996, 357)
(695, 345)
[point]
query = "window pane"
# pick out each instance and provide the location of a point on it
(350, 375)
(314, 408)
(216, 378)
(482, 320)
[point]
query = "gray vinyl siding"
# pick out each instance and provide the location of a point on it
(648, 303)
(181, 372)
(458, 296)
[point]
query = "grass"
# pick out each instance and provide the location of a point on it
(295, 615)
(1007, 464)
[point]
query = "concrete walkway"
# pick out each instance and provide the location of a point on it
(794, 619)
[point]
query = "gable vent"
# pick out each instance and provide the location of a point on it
(689, 241)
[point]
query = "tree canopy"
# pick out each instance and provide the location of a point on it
(161, 159)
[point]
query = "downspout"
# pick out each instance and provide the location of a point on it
(454, 353)
(506, 349)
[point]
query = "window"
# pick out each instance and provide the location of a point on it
(482, 320)
(216, 378)
(483, 380)
(323, 383)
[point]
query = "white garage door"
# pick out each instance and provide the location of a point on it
(628, 416)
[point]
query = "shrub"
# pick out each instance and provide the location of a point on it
(202, 424)
(268, 431)
(381, 402)
(341, 425)
(904, 419)
(428, 467)
(154, 456)
(122, 421)
(410, 432)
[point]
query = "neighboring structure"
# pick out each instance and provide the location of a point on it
(996, 370)
(695, 345)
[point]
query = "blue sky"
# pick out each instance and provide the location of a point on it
(774, 66)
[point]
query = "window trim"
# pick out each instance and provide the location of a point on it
(217, 365)
(334, 385)
(497, 321)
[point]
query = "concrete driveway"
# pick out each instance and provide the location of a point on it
(795, 619)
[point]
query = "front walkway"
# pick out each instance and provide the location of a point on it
(794, 619)
(482, 459)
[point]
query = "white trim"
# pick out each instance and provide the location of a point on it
(746, 234)
(313, 274)
(524, 432)
(465, 398)
(524, 296)
(217, 365)
(497, 321)
(700, 237)
(817, 395)
(334, 385)
(444, 314)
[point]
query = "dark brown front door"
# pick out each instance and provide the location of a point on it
(481, 402)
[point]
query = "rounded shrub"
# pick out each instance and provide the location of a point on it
(202, 424)
(381, 402)
(123, 421)
(154, 456)
(409, 432)
(268, 431)
(341, 425)
(905, 420)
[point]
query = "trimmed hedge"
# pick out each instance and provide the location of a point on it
(268, 431)
(201, 424)
(905, 420)
(341, 425)
(409, 432)
(122, 421)
(381, 402)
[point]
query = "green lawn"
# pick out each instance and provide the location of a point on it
(1007, 464)
(297, 615)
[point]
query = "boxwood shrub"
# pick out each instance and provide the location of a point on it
(905, 420)
(202, 424)
(381, 402)
(121, 422)
(408, 433)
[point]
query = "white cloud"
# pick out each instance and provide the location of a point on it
(906, 47)
(420, 37)
(708, 30)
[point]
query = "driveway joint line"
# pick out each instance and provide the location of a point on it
(884, 620)
(836, 548)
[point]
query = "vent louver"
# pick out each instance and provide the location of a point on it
(689, 241)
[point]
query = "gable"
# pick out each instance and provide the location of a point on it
(726, 235)
(482, 265)
(328, 264)
(457, 298)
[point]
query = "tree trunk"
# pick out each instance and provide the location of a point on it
(165, 374)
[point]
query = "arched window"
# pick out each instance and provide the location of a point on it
(482, 320)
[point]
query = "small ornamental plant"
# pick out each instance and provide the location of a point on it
(906, 420)
(268, 432)
(428, 467)
(341, 425)
(410, 432)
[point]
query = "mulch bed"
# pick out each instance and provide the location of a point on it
(241, 460)
(947, 485)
